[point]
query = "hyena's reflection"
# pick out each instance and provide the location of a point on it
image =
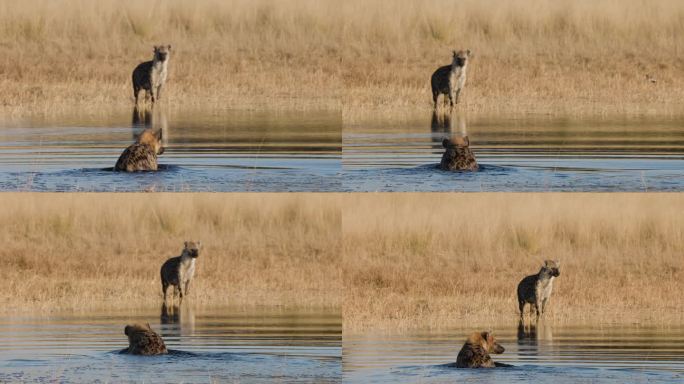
(177, 320)
(530, 334)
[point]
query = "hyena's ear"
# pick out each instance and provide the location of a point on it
(199, 244)
(486, 338)
(185, 244)
(159, 134)
(454, 53)
(445, 143)
(168, 47)
(466, 141)
(148, 326)
(468, 52)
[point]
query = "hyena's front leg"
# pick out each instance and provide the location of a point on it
(158, 93)
(544, 301)
(458, 92)
(451, 98)
(187, 287)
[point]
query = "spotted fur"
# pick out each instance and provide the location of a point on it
(536, 289)
(457, 155)
(142, 340)
(142, 155)
(178, 271)
(476, 350)
(449, 80)
(151, 75)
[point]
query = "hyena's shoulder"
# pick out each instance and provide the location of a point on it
(137, 156)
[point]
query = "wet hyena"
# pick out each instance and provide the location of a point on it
(142, 340)
(476, 350)
(142, 155)
(457, 155)
(450, 79)
(151, 75)
(178, 271)
(536, 289)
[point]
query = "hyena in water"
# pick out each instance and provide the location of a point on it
(476, 350)
(142, 340)
(450, 79)
(142, 155)
(536, 289)
(151, 75)
(178, 271)
(457, 155)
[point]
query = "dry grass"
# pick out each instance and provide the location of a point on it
(79, 251)
(539, 56)
(440, 260)
(369, 57)
(238, 54)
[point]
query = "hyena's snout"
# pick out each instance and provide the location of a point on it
(498, 348)
(160, 151)
(555, 272)
(460, 61)
(194, 253)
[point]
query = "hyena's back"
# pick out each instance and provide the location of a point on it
(440, 80)
(137, 157)
(142, 77)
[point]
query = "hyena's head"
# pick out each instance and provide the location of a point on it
(132, 329)
(153, 139)
(487, 341)
(192, 248)
(456, 142)
(161, 52)
(551, 268)
(460, 58)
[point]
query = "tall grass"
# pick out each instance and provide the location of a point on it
(582, 56)
(435, 260)
(79, 251)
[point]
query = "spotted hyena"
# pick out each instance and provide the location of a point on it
(536, 289)
(457, 155)
(151, 75)
(142, 340)
(142, 155)
(476, 350)
(449, 80)
(178, 271)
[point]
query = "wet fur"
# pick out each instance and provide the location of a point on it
(476, 350)
(142, 340)
(458, 156)
(142, 155)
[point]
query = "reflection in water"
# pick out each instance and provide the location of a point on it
(587, 353)
(207, 151)
(178, 320)
(517, 154)
(224, 345)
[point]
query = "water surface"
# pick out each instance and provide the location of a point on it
(517, 154)
(206, 345)
(559, 354)
(218, 150)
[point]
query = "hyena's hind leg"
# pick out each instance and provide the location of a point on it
(165, 287)
(521, 306)
(136, 93)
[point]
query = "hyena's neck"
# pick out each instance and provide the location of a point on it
(158, 64)
(186, 258)
(458, 69)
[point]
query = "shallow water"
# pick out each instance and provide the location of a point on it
(205, 151)
(517, 154)
(559, 354)
(206, 345)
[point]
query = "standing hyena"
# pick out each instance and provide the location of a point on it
(536, 289)
(151, 75)
(178, 271)
(450, 79)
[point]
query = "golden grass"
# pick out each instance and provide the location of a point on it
(237, 54)
(368, 57)
(80, 251)
(440, 260)
(530, 56)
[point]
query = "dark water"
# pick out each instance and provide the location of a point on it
(518, 154)
(205, 151)
(558, 354)
(206, 345)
